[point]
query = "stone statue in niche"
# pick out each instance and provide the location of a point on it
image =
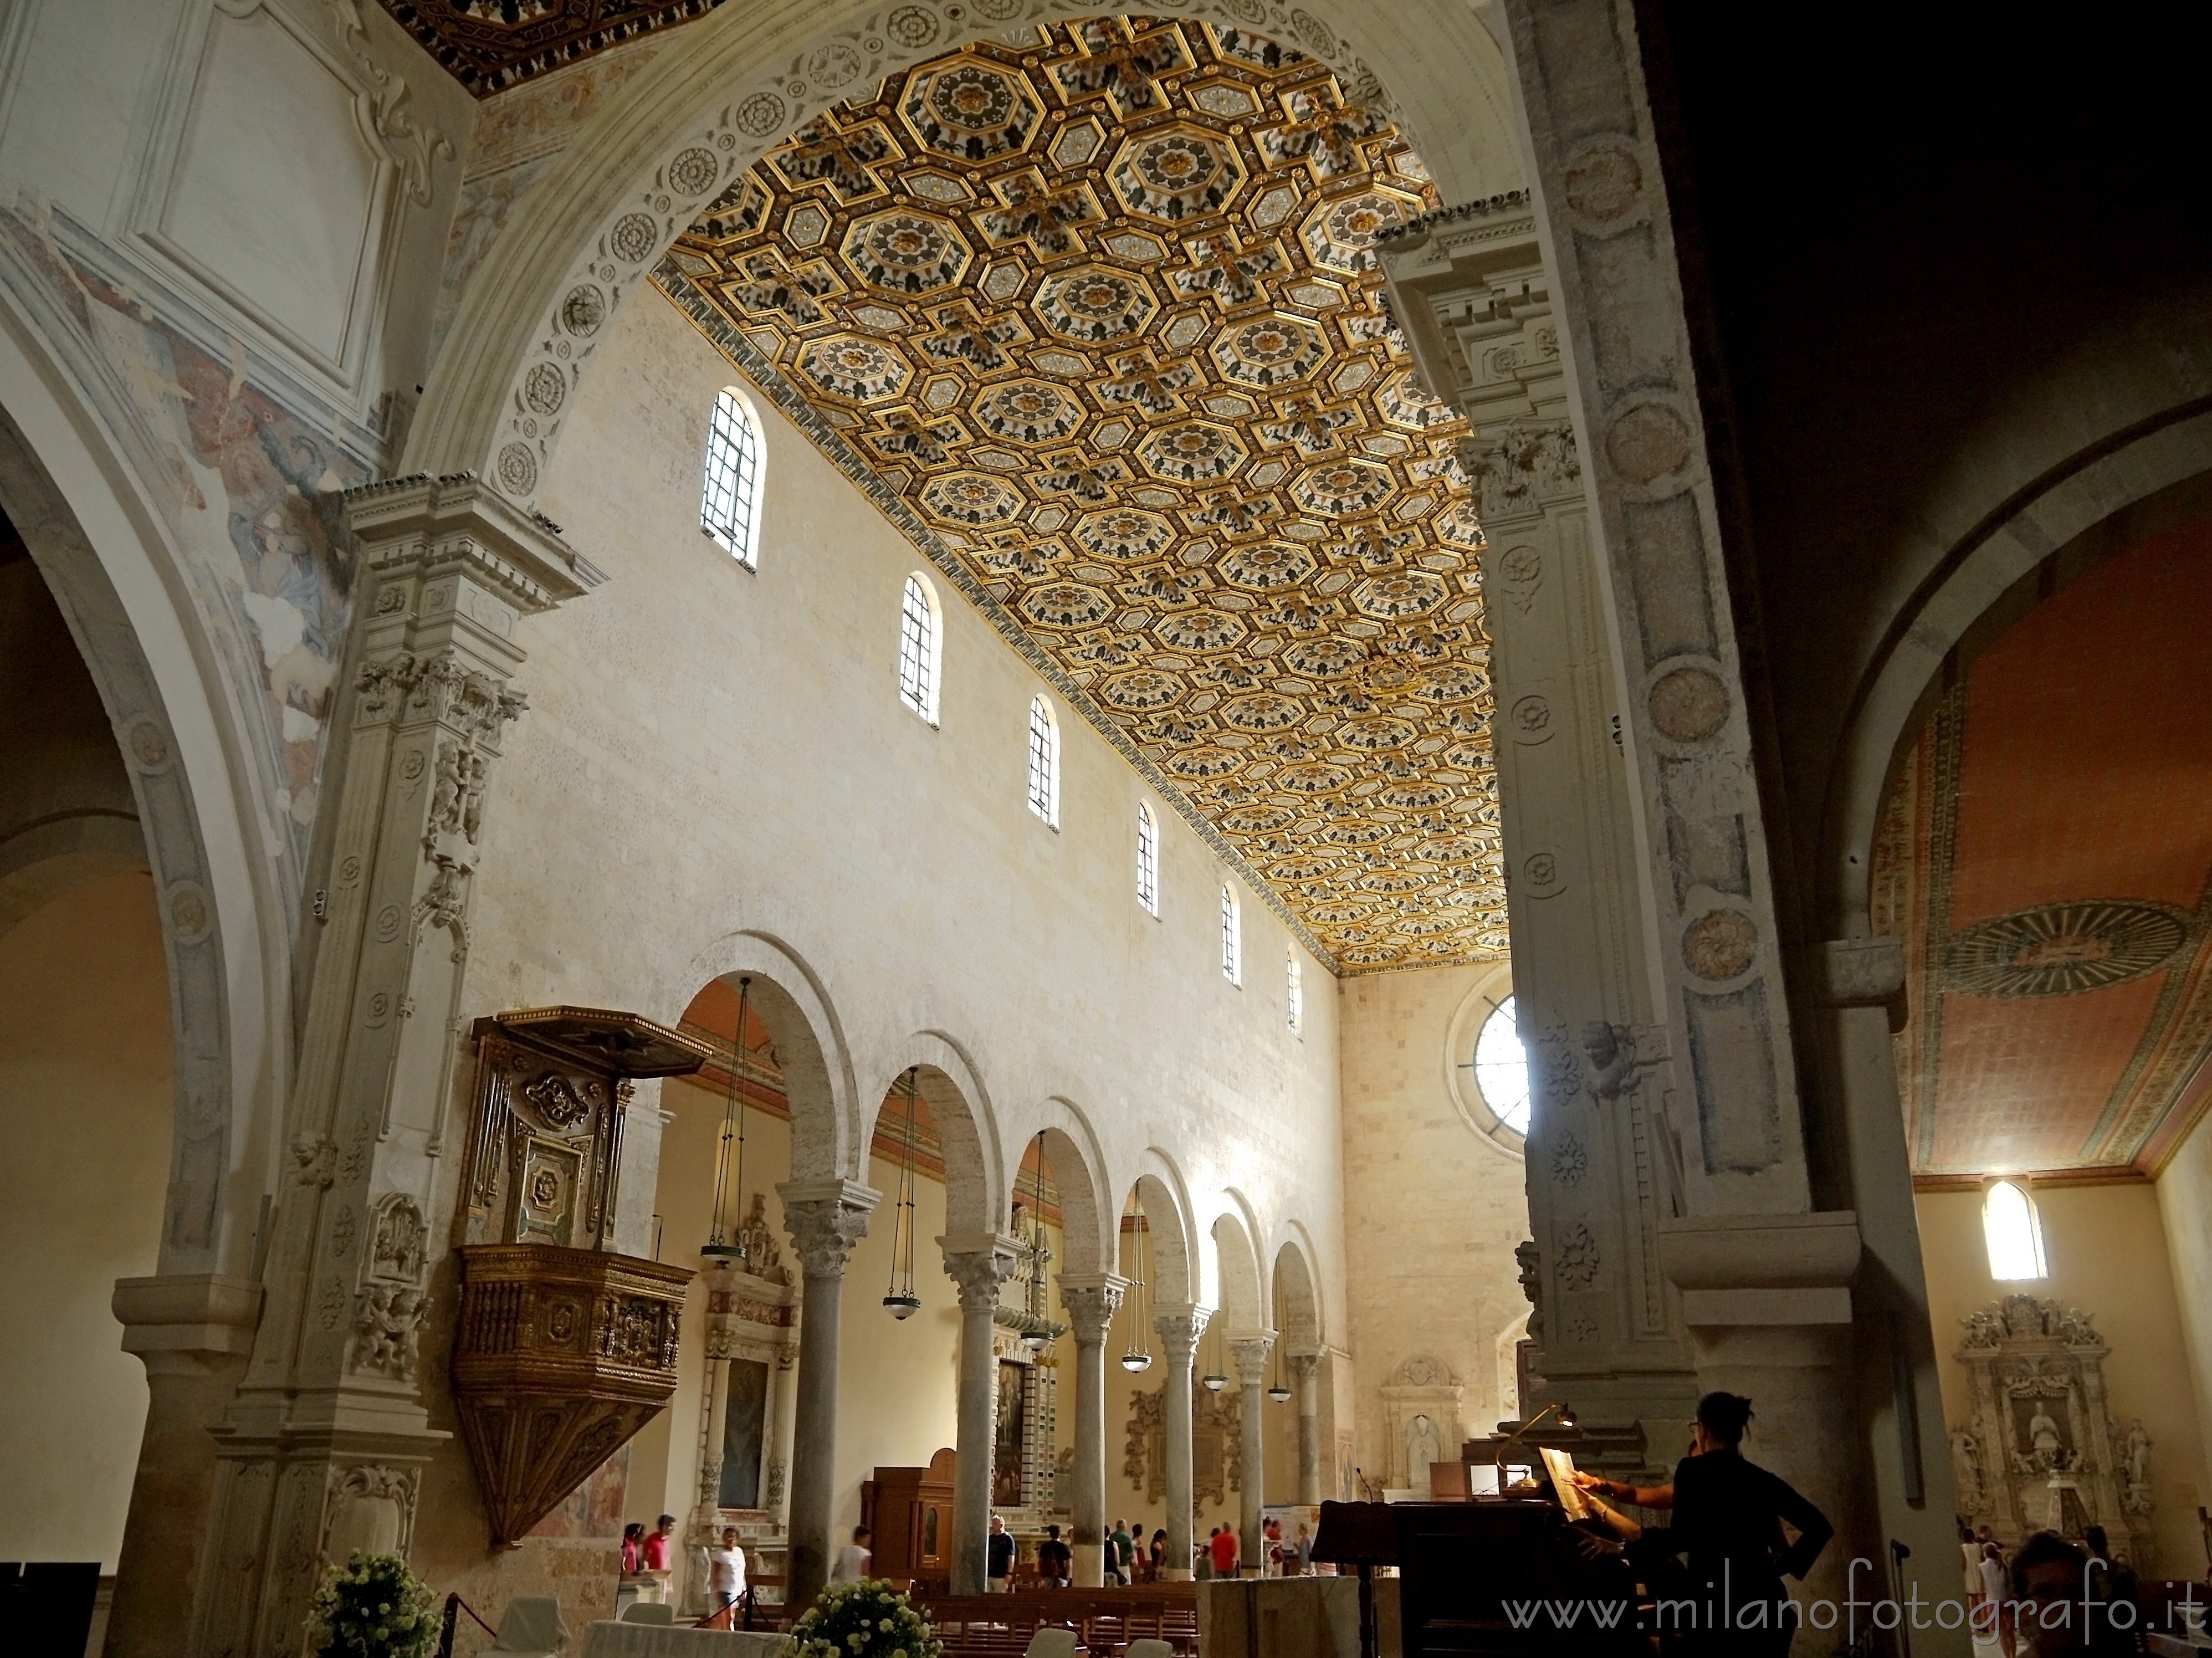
(1422, 1449)
(2136, 1497)
(1965, 1471)
(763, 1259)
(396, 1251)
(2043, 1434)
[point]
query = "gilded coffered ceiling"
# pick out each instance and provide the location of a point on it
(490, 45)
(1098, 312)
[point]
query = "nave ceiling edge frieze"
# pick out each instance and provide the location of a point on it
(1094, 322)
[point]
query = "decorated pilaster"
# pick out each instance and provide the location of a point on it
(826, 1218)
(979, 1265)
(1471, 288)
(1249, 1354)
(1179, 1328)
(322, 1450)
(1091, 1303)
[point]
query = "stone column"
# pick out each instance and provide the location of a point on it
(192, 1333)
(1091, 1304)
(979, 1265)
(1180, 1327)
(324, 1446)
(1305, 1370)
(825, 1218)
(1249, 1353)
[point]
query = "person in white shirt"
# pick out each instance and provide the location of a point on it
(725, 1574)
(853, 1559)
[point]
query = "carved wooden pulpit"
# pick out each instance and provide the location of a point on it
(563, 1349)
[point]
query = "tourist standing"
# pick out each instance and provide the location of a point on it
(725, 1579)
(633, 1552)
(999, 1559)
(1159, 1552)
(1055, 1560)
(1224, 1548)
(1125, 1552)
(853, 1559)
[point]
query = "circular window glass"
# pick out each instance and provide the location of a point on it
(1501, 1068)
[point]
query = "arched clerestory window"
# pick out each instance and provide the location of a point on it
(2013, 1232)
(921, 647)
(1044, 761)
(729, 502)
(1148, 859)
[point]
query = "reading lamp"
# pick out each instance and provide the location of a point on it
(1566, 1415)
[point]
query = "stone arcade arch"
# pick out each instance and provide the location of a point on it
(1179, 1320)
(1250, 1339)
(72, 497)
(1298, 1312)
(692, 121)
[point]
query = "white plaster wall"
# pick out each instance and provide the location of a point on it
(84, 1112)
(1432, 1209)
(2106, 1248)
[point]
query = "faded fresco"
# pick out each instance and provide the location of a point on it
(235, 477)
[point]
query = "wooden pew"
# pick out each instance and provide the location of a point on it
(1105, 1620)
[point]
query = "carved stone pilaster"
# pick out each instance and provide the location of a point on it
(326, 1434)
(1471, 287)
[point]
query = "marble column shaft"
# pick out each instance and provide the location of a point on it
(1305, 1369)
(825, 1219)
(1179, 1328)
(1249, 1353)
(1091, 1304)
(979, 1267)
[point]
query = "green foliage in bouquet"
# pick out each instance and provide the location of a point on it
(373, 1607)
(867, 1619)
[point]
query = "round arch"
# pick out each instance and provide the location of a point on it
(1241, 1294)
(1090, 1220)
(1175, 1279)
(1297, 1301)
(826, 1137)
(633, 177)
(102, 553)
(976, 1194)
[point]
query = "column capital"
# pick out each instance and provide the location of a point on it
(826, 1218)
(408, 524)
(1249, 1353)
(979, 1263)
(1179, 1328)
(197, 1313)
(1305, 1363)
(1092, 1303)
(1763, 1269)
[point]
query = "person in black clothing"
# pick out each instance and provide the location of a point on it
(1055, 1560)
(1729, 1516)
(999, 1560)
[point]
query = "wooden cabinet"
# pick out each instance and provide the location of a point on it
(910, 1512)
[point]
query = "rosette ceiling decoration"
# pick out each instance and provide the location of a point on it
(1096, 316)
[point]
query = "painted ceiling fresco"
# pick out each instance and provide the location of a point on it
(490, 45)
(2047, 861)
(1099, 312)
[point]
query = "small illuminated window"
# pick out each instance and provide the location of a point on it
(1148, 859)
(1501, 1067)
(1294, 994)
(2013, 1232)
(920, 648)
(1232, 968)
(729, 505)
(1044, 762)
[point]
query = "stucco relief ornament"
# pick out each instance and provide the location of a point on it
(1532, 1286)
(1578, 1258)
(388, 1329)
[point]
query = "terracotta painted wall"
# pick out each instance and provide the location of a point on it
(85, 1090)
(2107, 1252)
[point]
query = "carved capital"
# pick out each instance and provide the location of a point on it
(1091, 1303)
(826, 1218)
(979, 1265)
(1249, 1353)
(1304, 1367)
(1179, 1328)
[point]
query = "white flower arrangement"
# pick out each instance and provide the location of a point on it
(864, 1620)
(373, 1607)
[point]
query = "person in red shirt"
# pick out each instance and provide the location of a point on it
(655, 1553)
(1225, 1552)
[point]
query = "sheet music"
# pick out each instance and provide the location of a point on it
(1561, 1466)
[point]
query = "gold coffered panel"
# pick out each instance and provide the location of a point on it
(1099, 311)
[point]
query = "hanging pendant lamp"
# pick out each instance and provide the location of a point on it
(1214, 1379)
(1038, 1336)
(1280, 1391)
(902, 1302)
(721, 1248)
(1139, 1358)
